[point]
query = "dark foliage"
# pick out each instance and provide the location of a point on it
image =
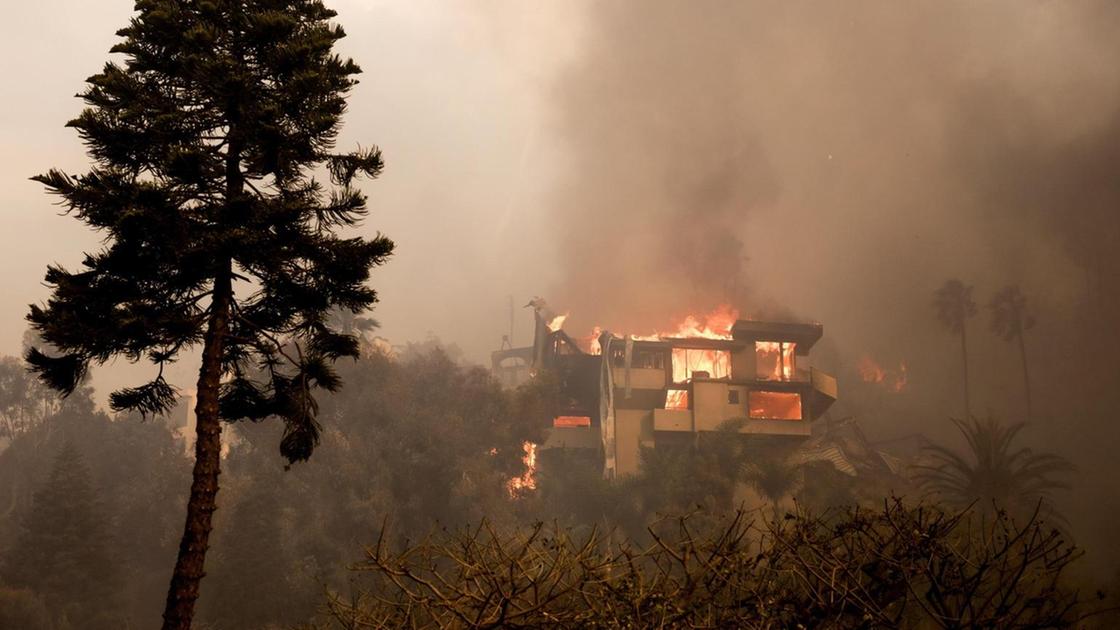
(155, 397)
(900, 566)
(204, 140)
(24, 402)
(63, 553)
(994, 471)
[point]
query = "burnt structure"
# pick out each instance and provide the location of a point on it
(640, 392)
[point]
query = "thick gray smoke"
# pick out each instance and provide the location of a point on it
(838, 162)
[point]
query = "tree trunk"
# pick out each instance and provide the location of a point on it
(964, 364)
(185, 581)
(1026, 375)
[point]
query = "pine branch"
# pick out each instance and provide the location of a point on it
(155, 397)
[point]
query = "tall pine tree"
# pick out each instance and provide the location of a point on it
(63, 552)
(205, 141)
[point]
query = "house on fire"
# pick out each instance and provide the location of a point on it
(632, 392)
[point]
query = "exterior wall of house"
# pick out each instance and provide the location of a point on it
(640, 378)
(572, 437)
(710, 405)
(743, 363)
(633, 427)
(776, 427)
(672, 420)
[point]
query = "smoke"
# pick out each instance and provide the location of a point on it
(835, 160)
(838, 162)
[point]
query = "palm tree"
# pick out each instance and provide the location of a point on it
(773, 475)
(994, 473)
(1010, 317)
(954, 305)
(355, 324)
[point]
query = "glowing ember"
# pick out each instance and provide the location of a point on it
(871, 372)
(556, 323)
(900, 379)
(527, 481)
(571, 421)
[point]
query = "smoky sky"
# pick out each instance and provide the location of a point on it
(828, 158)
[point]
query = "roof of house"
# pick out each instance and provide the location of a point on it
(804, 335)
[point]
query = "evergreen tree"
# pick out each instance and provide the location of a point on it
(24, 403)
(216, 232)
(257, 582)
(63, 552)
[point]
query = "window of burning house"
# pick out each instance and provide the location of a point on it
(649, 359)
(571, 421)
(676, 399)
(618, 356)
(642, 359)
(686, 361)
(774, 405)
(775, 360)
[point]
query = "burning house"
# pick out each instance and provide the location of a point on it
(620, 394)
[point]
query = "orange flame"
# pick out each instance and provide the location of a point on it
(776, 354)
(527, 480)
(571, 421)
(892, 380)
(592, 340)
(686, 361)
(676, 399)
(556, 323)
(716, 325)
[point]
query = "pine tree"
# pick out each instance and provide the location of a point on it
(217, 234)
(259, 583)
(63, 552)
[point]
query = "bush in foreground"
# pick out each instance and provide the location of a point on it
(901, 566)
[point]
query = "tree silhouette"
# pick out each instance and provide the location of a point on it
(954, 306)
(773, 475)
(63, 551)
(216, 233)
(994, 473)
(352, 323)
(1010, 318)
(24, 403)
